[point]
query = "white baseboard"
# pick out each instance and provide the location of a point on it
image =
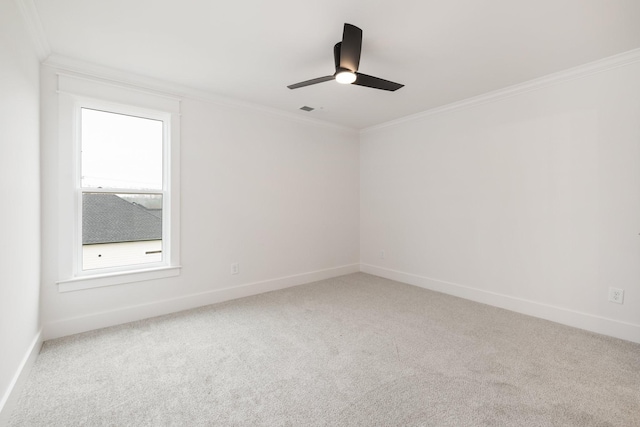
(61, 328)
(589, 322)
(11, 395)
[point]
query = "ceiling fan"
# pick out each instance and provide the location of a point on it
(346, 55)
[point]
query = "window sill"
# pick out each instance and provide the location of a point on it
(100, 280)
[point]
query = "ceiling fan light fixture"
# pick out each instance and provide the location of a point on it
(345, 77)
(346, 57)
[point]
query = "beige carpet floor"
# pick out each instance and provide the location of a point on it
(356, 350)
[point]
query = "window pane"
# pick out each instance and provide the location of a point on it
(121, 229)
(120, 151)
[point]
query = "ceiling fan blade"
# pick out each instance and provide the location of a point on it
(376, 82)
(351, 47)
(311, 82)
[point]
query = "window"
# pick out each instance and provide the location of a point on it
(122, 189)
(119, 210)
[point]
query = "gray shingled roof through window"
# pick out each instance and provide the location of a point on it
(106, 218)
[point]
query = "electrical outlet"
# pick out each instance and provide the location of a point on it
(381, 254)
(616, 295)
(235, 268)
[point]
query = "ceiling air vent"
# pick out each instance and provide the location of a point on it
(306, 108)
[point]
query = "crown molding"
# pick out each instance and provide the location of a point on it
(581, 71)
(175, 90)
(33, 26)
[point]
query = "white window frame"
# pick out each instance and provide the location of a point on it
(74, 94)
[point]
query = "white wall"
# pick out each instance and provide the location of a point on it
(20, 199)
(105, 255)
(531, 202)
(277, 195)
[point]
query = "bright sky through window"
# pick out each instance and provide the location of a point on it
(120, 151)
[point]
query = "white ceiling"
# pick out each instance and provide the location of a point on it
(250, 50)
